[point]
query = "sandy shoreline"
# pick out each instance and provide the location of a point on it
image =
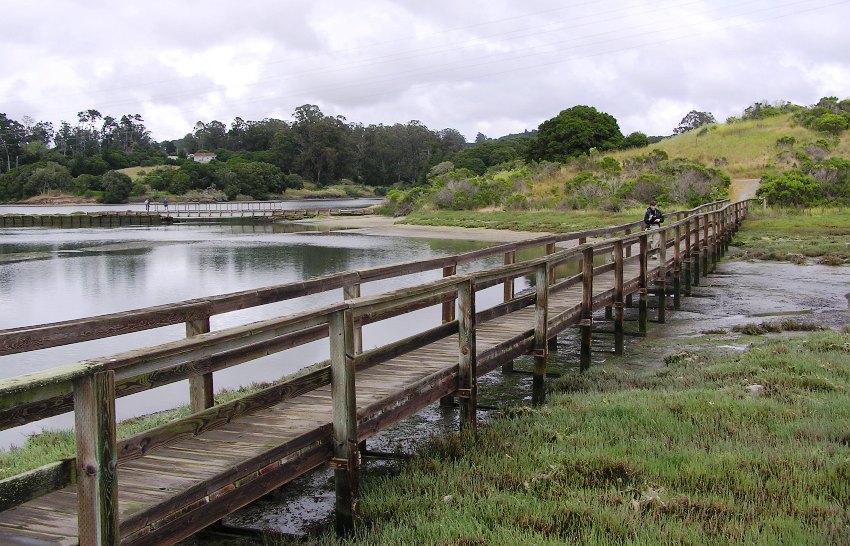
(383, 225)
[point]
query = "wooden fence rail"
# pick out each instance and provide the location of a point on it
(91, 387)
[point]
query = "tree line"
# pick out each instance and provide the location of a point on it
(264, 158)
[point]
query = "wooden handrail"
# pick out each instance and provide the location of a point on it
(30, 338)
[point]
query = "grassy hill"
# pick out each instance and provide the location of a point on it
(744, 149)
(135, 172)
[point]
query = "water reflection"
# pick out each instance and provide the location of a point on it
(89, 272)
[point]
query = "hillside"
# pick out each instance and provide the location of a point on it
(745, 149)
(742, 150)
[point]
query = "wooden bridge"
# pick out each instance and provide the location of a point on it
(253, 211)
(164, 484)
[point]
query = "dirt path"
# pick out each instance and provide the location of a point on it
(743, 188)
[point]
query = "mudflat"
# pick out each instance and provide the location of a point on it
(383, 225)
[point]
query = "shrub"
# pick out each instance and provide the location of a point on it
(790, 189)
(116, 187)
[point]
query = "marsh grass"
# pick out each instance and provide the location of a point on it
(684, 455)
(795, 235)
(790, 325)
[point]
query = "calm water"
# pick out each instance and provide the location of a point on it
(49, 275)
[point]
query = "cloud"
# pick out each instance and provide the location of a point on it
(497, 68)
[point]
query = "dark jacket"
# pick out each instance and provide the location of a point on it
(653, 217)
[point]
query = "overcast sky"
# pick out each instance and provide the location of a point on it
(496, 67)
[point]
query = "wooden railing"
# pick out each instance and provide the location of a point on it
(91, 387)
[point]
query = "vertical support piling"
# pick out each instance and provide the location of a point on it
(661, 280)
(688, 259)
(586, 323)
(695, 257)
(467, 376)
(200, 386)
(677, 269)
(351, 292)
(642, 304)
(628, 251)
(618, 297)
(97, 459)
(346, 461)
(541, 324)
(509, 287)
(705, 241)
(448, 316)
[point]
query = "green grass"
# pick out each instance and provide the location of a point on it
(792, 234)
(685, 455)
(543, 221)
(744, 149)
(135, 172)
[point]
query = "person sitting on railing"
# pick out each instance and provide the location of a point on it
(652, 220)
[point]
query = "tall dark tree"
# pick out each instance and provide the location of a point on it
(694, 120)
(574, 132)
(12, 139)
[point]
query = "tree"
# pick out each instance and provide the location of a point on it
(12, 136)
(693, 120)
(574, 132)
(116, 187)
(636, 140)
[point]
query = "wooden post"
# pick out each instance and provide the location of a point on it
(449, 306)
(448, 316)
(510, 258)
(467, 362)
(97, 459)
(581, 241)
(628, 249)
(346, 461)
(349, 293)
(586, 323)
(695, 252)
(687, 259)
(618, 297)
(200, 386)
(541, 324)
(661, 281)
(705, 240)
(677, 269)
(550, 249)
(642, 304)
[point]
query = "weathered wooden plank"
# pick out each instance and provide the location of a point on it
(218, 507)
(29, 485)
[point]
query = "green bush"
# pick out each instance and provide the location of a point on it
(790, 189)
(116, 187)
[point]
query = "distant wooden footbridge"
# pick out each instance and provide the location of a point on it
(164, 484)
(254, 211)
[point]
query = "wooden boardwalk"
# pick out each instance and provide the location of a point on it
(163, 485)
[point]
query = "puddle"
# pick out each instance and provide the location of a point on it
(740, 293)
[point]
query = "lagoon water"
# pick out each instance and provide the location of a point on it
(49, 275)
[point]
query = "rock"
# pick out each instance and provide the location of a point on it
(755, 389)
